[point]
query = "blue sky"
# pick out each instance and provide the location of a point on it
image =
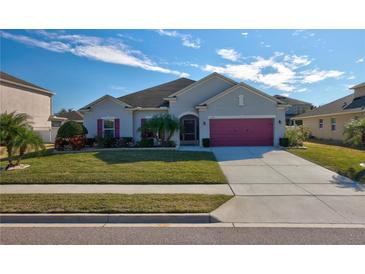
(82, 65)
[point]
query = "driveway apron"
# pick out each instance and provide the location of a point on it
(275, 186)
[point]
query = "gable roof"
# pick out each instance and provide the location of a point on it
(339, 106)
(245, 86)
(72, 115)
(10, 79)
(105, 97)
(291, 101)
(212, 75)
(154, 97)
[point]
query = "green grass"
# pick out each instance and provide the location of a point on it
(119, 167)
(110, 203)
(343, 160)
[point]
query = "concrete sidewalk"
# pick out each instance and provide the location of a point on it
(121, 189)
(274, 186)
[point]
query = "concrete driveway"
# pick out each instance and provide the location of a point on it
(274, 186)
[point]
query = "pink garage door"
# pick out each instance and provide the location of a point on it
(241, 132)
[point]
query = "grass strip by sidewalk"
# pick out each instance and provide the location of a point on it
(110, 203)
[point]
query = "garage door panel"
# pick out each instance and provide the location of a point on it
(241, 132)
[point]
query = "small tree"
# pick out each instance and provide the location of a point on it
(17, 135)
(354, 132)
(11, 124)
(27, 139)
(297, 135)
(162, 126)
(70, 129)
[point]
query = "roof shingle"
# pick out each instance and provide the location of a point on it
(8, 77)
(153, 97)
(342, 105)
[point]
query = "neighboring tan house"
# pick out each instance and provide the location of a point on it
(24, 97)
(328, 121)
(215, 107)
(296, 107)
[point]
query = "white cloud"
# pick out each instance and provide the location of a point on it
(244, 34)
(281, 71)
(361, 60)
(315, 75)
(186, 39)
(285, 94)
(102, 49)
(229, 54)
(352, 77)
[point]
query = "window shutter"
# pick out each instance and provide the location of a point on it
(116, 128)
(100, 128)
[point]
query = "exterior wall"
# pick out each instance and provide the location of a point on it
(359, 92)
(326, 132)
(37, 105)
(254, 105)
(140, 114)
(109, 109)
(186, 102)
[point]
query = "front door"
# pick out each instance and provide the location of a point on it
(189, 131)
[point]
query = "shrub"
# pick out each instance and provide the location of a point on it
(355, 132)
(146, 143)
(296, 135)
(206, 142)
(128, 140)
(70, 129)
(77, 142)
(90, 142)
(284, 142)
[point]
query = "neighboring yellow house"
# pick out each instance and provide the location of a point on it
(328, 121)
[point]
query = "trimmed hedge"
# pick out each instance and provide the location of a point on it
(70, 129)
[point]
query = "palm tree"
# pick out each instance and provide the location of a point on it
(11, 124)
(27, 139)
(171, 125)
(162, 126)
(355, 132)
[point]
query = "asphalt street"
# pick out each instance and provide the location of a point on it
(180, 235)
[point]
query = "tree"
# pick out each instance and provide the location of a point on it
(71, 129)
(11, 126)
(27, 139)
(354, 132)
(17, 135)
(63, 111)
(162, 126)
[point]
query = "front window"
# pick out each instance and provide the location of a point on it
(56, 123)
(108, 128)
(333, 123)
(320, 123)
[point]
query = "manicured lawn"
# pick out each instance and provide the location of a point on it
(119, 167)
(110, 203)
(342, 160)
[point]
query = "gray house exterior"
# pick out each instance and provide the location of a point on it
(215, 107)
(296, 107)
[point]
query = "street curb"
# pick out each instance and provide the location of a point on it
(195, 218)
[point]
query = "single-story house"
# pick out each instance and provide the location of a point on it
(214, 107)
(296, 107)
(24, 97)
(328, 121)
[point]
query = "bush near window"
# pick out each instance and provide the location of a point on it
(114, 142)
(145, 143)
(355, 132)
(297, 135)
